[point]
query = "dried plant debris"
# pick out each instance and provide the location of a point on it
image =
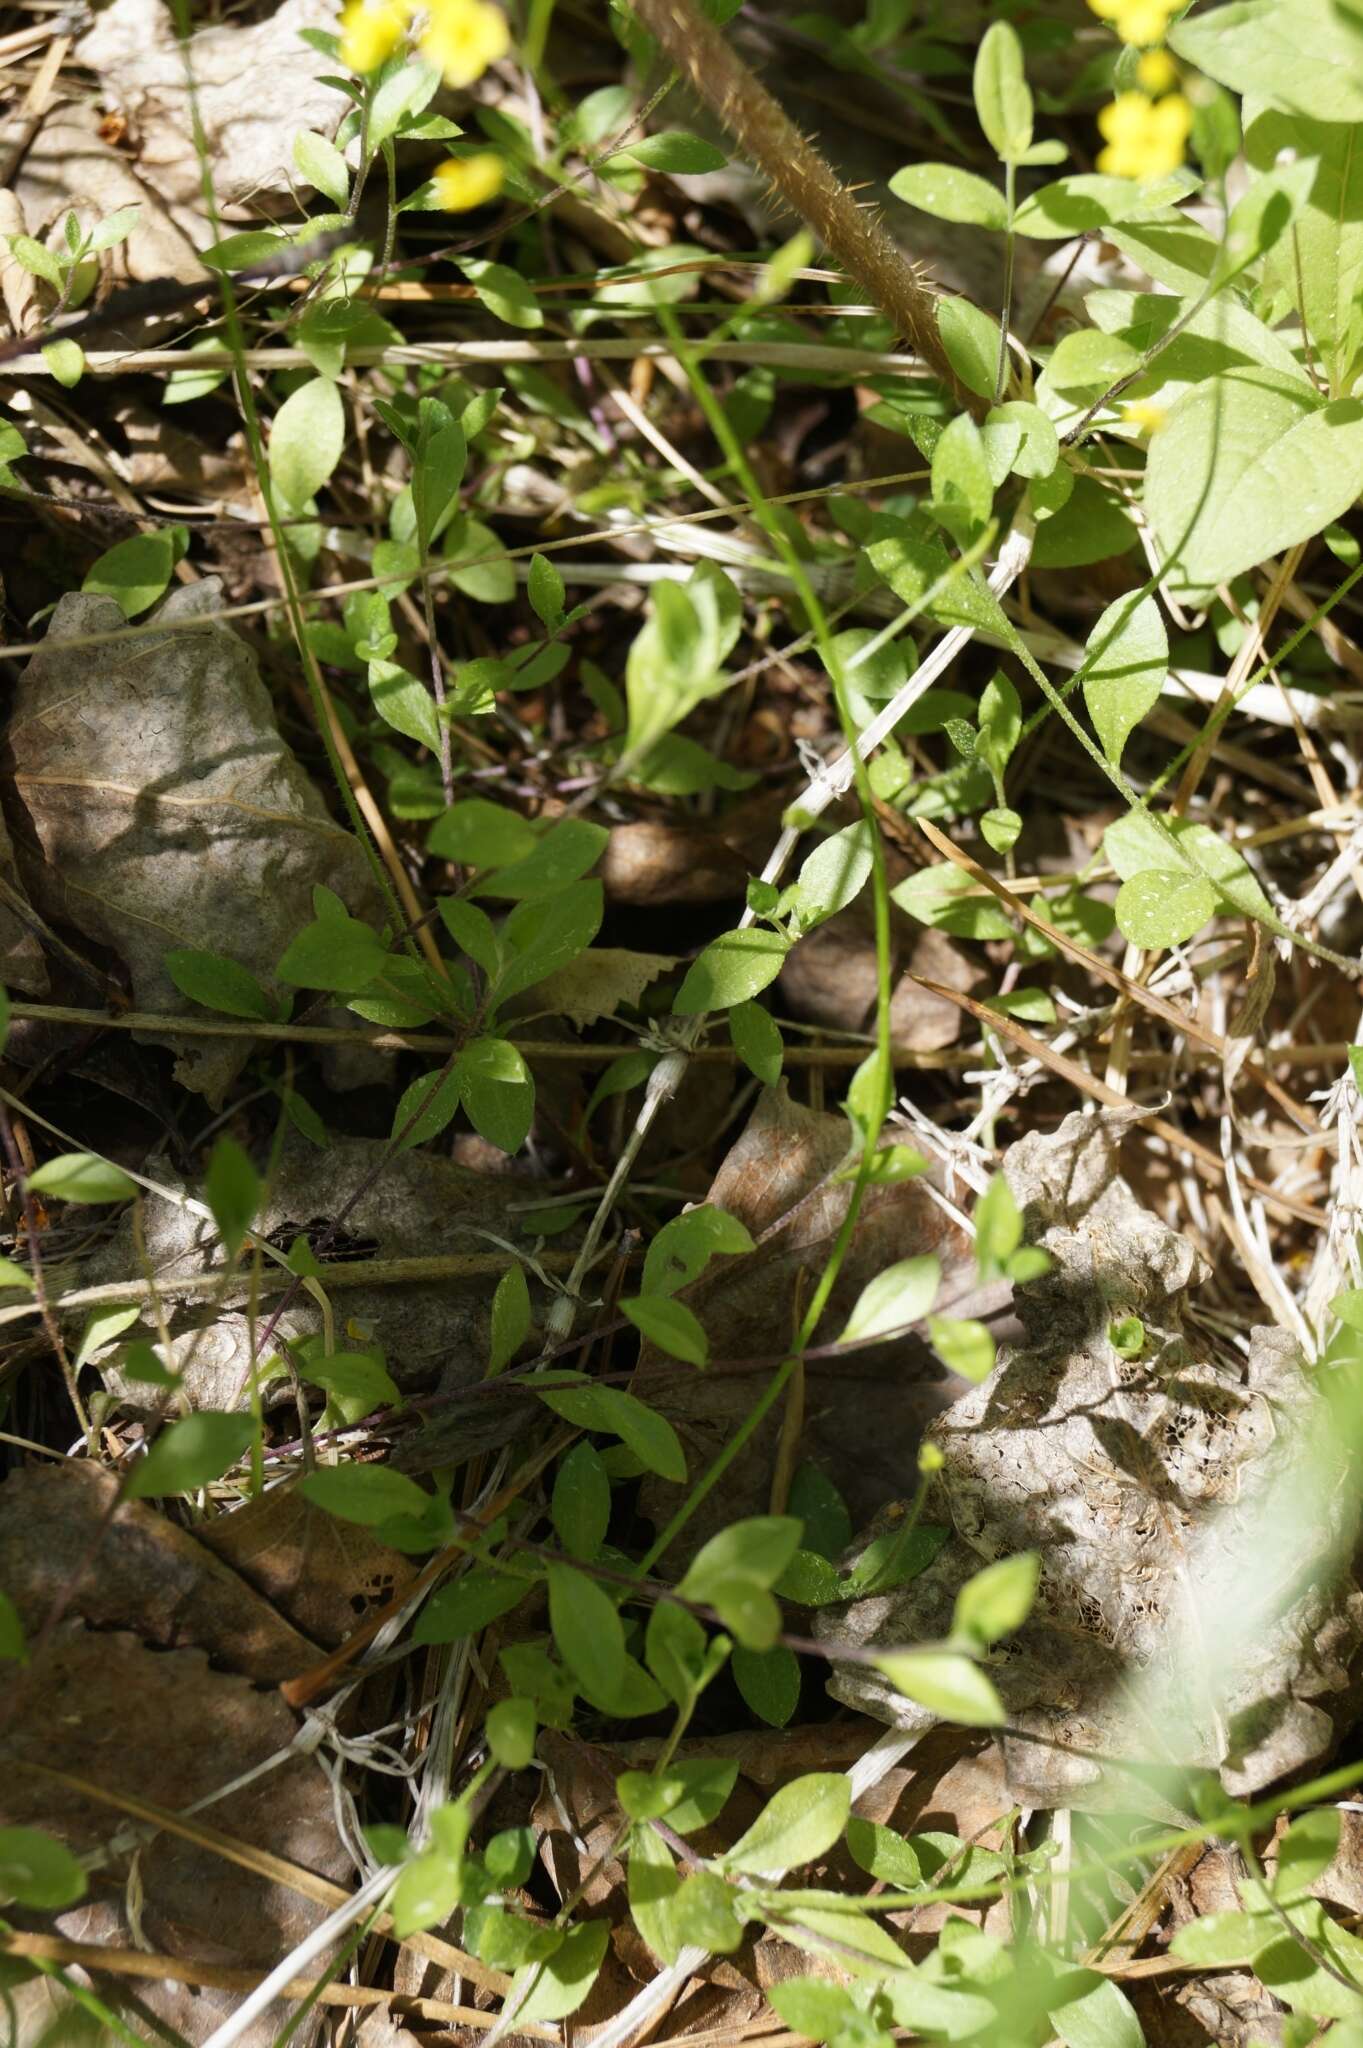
(1183, 1618)
(256, 86)
(154, 805)
(432, 1331)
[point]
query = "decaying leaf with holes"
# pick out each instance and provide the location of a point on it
(153, 804)
(1187, 1617)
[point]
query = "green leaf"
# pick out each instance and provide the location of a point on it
(402, 94)
(426, 1893)
(13, 1648)
(833, 875)
(733, 968)
(357, 1381)
(705, 1914)
(816, 1502)
(425, 1107)
(946, 1684)
(615, 1413)
(36, 259)
(322, 164)
(962, 488)
(1089, 526)
(769, 1681)
(1300, 54)
(563, 855)
(103, 1326)
(1245, 466)
(653, 1888)
(1000, 723)
(403, 701)
(479, 834)
(899, 1296)
(1003, 105)
(511, 1726)
(676, 152)
(998, 1599)
(1126, 661)
(542, 937)
(232, 1189)
(1086, 360)
(1318, 270)
(467, 1605)
(37, 1871)
(581, 1504)
(510, 1318)
(817, 2008)
(998, 1226)
(670, 1325)
(1036, 449)
(217, 983)
(1001, 830)
(798, 1824)
(941, 896)
(757, 1549)
(367, 1494)
(544, 588)
(552, 1989)
(757, 1041)
(1078, 205)
(191, 1454)
(136, 572)
(336, 953)
(881, 1853)
(676, 1651)
(497, 1092)
(240, 252)
(12, 1275)
(504, 292)
(1163, 907)
(963, 1345)
(971, 339)
(66, 360)
(1306, 1851)
(951, 194)
(82, 1177)
(1096, 2013)
(306, 441)
(586, 1627)
(684, 1247)
(1262, 216)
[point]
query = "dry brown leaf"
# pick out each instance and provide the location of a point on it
(831, 977)
(865, 1413)
(256, 87)
(648, 863)
(1145, 1485)
(323, 1573)
(141, 1572)
(154, 805)
(598, 983)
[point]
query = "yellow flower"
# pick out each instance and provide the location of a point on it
(370, 31)
(1140, 22)
(1144, 137)
(1157, 71)
(467, 181)
(1144, 415)
(463, 37)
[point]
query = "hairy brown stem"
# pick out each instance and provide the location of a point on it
(770, 139)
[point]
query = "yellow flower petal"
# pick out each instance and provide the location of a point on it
(463, 37)
(370, 31)
(1144, 414)
(468, 181)
(1157, 71)
(1145, 137)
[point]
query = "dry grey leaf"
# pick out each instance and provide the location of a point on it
(256, 87)
(154, 805)
(597, 983)
(21, 956)
(830, 979)
(1182, 1619)
(862, 1411)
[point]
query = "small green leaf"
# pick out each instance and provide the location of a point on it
(951, 194)
(511, 1726)
(232, 1189)
(670, 1325)
(37, 1871)
(704, 1914)
(899, 1296)
(367, 1494)
(998, 1226)
(757, 1041)
(946, 1684)
(972, 340)
(1163, 907)
(1003, 105)
(769, 1681)
(467, 1605)
(998, 1599)
(757, 1549)
(1125, 664)
(798, 1824)
(12, 1645)
(82, 1177)
(191, 1454)
(307, 441)
(1095, 2014)
(819, 2009)
(963, 1345)
(12, 1275)
(322, 164)
(676, 152)
(1000, 829)
(424, 1108)
(36, 259)
(544, 587)
(586, 1628)
(732, 969)
(882, 1853)
(66, 361)
(497, 1092)
(138, 571)
(479, 834)
(653, 1888)
(103, 1326)
(217, 983)
(581, 1504)
(610, 1409)
(510, 1318)
(833, 875)
(552, 1989)
(1307, 1849)
(504, 292)
(335, 953)
(426, 1893)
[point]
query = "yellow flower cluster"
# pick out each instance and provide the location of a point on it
(1145, 138)
(461, 37)
(1139, 22)
(468, 181)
